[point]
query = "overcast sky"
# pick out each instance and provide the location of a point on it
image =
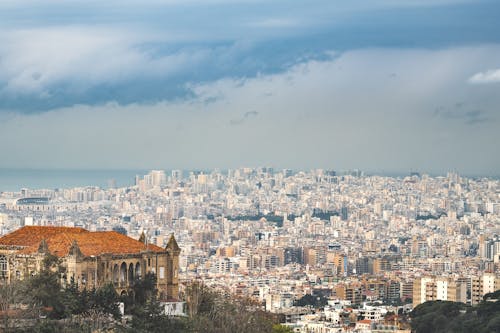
(380, 85)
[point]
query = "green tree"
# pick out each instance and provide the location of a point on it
(148, 314)
(144, 289)
(9, 296)
(277, 328)
(310, 300)
(105, 299)
(150, 317)
(214, 312)
(45, 295)
(51, 262)
(494, 324)
(43, 292)
(73, 300)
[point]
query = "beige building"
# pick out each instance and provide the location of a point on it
(439, 288)
(90, 259)
(482, 285)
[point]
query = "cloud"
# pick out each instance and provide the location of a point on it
(476, 117)
(43, 69)
(128, 52)
(462, 111)
(355, 4)
(38, 61)
(274, 23)
(245, 116)
(490, 76)
(46, 68)
(421, 3)
(144, 53)
(341, 112)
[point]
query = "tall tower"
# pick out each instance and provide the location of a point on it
(173, 252)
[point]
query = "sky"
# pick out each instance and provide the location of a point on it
(380, 85)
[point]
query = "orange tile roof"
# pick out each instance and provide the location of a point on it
(30, 235)
(60, 239)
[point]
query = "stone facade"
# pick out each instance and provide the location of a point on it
(90, 259)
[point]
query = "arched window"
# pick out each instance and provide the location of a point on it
(115, 274)
(3, 267)
(123, 272)
(130, 274)
(138, 271)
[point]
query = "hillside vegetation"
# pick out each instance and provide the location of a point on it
(444, 317)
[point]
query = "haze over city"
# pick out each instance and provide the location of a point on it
(383, 86)
(249, 166)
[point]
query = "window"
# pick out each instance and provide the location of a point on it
(3, 267)
(162, 272)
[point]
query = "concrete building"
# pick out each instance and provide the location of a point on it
(482, 285)
(439, 288)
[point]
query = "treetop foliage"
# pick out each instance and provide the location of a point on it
(72, 309)
(452, 317)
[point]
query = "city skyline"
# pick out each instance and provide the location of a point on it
(14, 180)
(250, 166)
(386, 86)
(320, 250)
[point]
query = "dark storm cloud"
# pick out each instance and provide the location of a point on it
(58, 54)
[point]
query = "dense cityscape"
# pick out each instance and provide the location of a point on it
(327, 251)
(249, 166)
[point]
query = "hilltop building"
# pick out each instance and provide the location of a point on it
(90, 259)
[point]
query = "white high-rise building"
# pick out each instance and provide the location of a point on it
(158, 178)
(442, 289)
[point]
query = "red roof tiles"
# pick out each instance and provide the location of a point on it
(60, 239)
(30, 235)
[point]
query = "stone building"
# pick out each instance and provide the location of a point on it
(91, 259)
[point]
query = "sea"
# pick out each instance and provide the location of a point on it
(13, 180)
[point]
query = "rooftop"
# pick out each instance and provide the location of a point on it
(60, 240)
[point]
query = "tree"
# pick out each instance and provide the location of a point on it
(150, 317)
(215, 312)
(494, 324)
(74, 301)
(493, 295)
(51, 262)
(310, 300)
(45, 295)
(199, 298)
(282, 329)
(144, 289)
(43, 292)
(434, 316)
(105, 300)
(9, 295)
